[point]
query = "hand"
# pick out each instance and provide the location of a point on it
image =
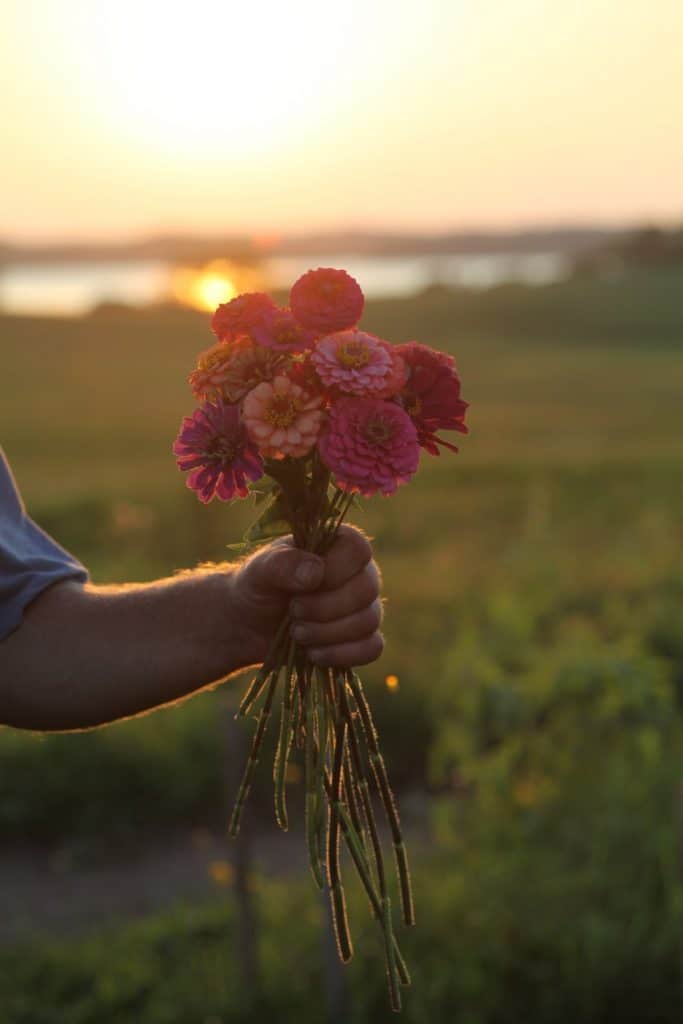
(333, 600)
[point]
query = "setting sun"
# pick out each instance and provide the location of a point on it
(219, 281)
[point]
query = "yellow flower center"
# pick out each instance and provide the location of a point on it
(353, 354)
(282, 411)
(286, 336)
(209, 360)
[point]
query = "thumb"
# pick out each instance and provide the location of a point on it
(286, 568)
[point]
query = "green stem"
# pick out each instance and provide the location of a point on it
(252, 760)
(282, 755)
(312, 837)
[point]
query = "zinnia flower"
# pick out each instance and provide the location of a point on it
(237, 317)
(370, 445)
(326, 300)
(282, 418)
(431, 396)
(359, 364)
(302, 372)
(214, 445)
(280, 331)
(228, 371)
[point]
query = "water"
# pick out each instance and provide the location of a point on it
(71, 289)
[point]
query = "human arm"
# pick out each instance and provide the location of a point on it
(85, 655)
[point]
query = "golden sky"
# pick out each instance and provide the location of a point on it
(123, 117)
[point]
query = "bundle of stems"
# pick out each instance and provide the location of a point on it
(324, 712)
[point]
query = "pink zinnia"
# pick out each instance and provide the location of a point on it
(213, 444)
(326, 300)
(240, 315)
(370, 445)
(358, 363)
(282, 418)
(431, 396)
(281, 332)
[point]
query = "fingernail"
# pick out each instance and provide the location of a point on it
(315, 655)
(306, 572)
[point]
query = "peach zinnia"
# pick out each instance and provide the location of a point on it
(228, 371)
(282, 418)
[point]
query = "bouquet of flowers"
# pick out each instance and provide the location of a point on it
(325, 412)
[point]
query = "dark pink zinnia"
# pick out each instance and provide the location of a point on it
(370, 445)
(431, 395)
(241, 315)
(326, 300)
(213, 444)
(278, 330)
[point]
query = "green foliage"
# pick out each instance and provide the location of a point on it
(534, 619)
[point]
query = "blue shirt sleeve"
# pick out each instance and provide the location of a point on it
(30, 561)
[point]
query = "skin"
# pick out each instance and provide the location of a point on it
(86, 655)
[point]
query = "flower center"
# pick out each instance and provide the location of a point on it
(378, 430)
(213, 358)
(353, 354)
(282, 411)
(221, 448)
(286, 336)
(412, 404)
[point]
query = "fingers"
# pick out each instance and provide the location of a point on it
(335, 605)
(349, 553)
(328, 605)
(280, 566)
(359, 625)
(358, 652)
(339, 625)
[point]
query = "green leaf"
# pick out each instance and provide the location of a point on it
(271, 521)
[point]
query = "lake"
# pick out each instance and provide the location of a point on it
(71, 289)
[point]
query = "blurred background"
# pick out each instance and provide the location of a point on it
(504, 180)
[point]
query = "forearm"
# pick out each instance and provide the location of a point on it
(87, 655)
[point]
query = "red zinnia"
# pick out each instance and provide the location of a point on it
(327, 300)
(431, 396)
(241, 314)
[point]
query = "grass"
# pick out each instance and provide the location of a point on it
(534, 618)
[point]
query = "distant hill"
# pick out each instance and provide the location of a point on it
(200, 248)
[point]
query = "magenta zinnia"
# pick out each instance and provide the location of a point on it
(213, 445)
(370, 445)
(281, 332)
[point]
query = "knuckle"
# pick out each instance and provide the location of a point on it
(370, 583)
(373, 615)
(356, 543)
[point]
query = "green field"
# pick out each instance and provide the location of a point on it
(534, 617)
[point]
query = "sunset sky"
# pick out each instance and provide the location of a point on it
(127, 117)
